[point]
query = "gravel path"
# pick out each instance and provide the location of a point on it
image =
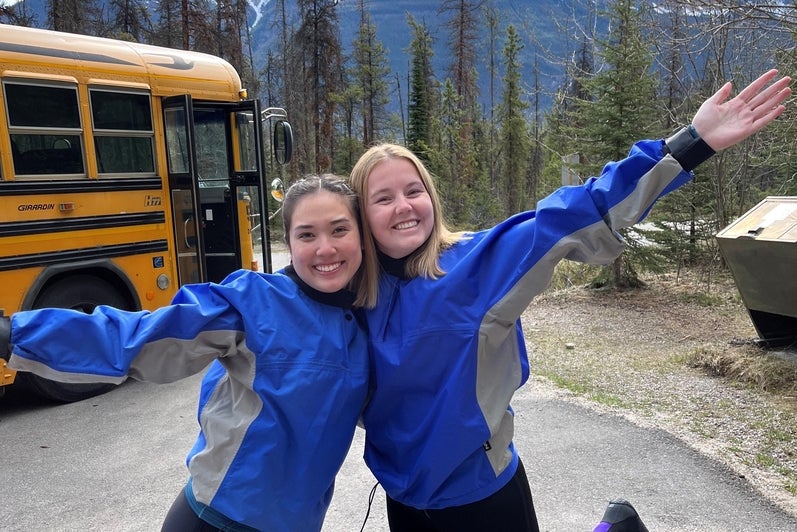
(627, 352)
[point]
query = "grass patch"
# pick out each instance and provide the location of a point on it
(764, 460)
(607, 399)
(586, 390)
(781, 435)
(566, 384)
(702, 299)
(748, 365)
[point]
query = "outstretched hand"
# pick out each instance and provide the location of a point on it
(722, 122)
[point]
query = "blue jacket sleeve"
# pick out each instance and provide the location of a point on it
(109, 345)
(506, 266)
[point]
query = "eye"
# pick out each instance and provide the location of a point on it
(304, 235)
(341, 230)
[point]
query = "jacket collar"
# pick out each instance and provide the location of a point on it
(342, 298)
(395, 267)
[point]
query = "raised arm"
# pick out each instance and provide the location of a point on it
(722, 122)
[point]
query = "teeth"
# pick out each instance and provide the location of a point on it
(407, 225)
(328, 267)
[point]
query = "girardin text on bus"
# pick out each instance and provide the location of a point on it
(36, 207)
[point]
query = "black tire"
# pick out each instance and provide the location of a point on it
(80, 292)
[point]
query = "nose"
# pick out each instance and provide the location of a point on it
(402, 205)
(326, 246)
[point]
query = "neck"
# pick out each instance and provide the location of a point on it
(396, 267)
(343, 298)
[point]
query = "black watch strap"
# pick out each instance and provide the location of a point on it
(688, 148)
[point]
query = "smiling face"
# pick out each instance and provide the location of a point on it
(324, 241)
(398, 208)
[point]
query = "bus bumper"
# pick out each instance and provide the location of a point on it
(6, 374)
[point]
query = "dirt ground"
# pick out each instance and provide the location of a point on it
(634, 353)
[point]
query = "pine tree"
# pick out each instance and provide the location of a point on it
(565, 123)
(784, 130)
(370, 73)
(514, 136)
(202, 26)
(421, 90)
(317, 57)
(129, 20)
(73, 16)
(168, 31)
(463, 34)
(621, 110)
(347, 132)
(463, 31)
(229, 31)
(444, 155)
(492, 19)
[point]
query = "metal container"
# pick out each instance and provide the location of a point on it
(760, 249)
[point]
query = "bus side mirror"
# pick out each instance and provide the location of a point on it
(283, 141)
(277, 190)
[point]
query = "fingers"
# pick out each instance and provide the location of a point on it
(773, 95)
(767, 105)
(722, 94)
(755, 87)
(774, 113)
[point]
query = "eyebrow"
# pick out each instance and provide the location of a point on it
(412, 182)
(337, 221)
(378, 191)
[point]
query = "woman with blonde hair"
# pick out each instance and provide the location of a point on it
(446, 345)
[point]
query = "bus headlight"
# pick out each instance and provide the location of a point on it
(163, 281)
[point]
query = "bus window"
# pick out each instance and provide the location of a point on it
(246, 160)
(45, 131)
(123, 132)
(177, 152)
(210, 127)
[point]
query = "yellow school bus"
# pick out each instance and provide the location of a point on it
(126, 171)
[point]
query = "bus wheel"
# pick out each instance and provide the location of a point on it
(80, 292)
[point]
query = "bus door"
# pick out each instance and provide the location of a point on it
(215, 179)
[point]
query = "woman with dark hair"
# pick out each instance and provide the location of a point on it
(288, 373)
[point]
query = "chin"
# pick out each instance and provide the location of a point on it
(330, 288)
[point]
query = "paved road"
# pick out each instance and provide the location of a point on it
(115, 462)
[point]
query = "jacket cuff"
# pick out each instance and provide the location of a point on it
(688, 148)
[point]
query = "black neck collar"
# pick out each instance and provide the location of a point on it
(342, 298)
(396, 267)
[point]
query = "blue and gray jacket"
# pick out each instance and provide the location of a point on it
(277, 408)
(448, 354)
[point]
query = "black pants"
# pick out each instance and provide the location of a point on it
(181, 518)
(510, 509)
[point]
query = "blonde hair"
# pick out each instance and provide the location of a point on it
(365, 281)
(424, 261)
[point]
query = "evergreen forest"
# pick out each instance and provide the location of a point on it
(496, 138)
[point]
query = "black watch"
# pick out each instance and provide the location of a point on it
(688, 148)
